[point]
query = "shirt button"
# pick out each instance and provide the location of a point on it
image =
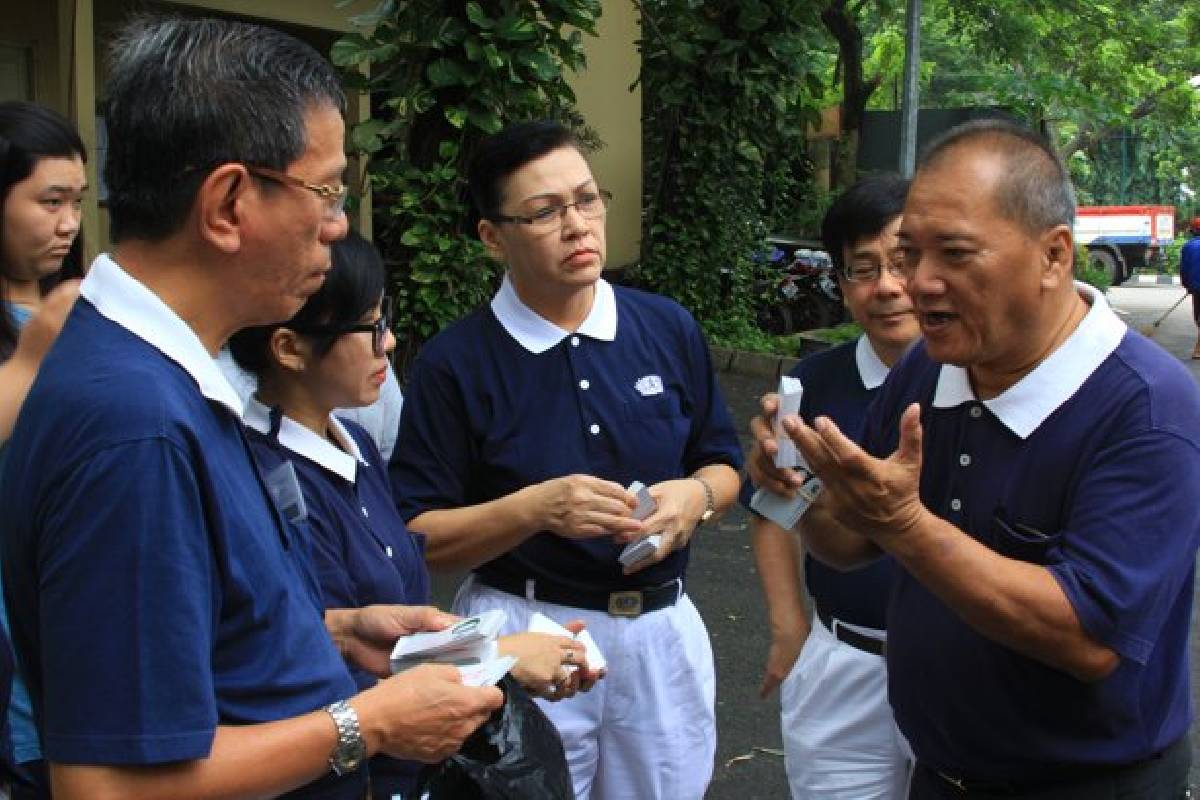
(976, 412)
(574, 341)
(583, 384)
(956, 504)
(364, 510)
(964, 460)
(595, 429)
(388, 550)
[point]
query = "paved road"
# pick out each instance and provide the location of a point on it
(723, 583)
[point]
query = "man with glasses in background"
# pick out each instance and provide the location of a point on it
(162, 602)
(840, 739)
(524, 424)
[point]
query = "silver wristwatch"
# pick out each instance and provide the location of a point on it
(348, 755)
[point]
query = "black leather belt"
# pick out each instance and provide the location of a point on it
(631, 603)
(859, 641)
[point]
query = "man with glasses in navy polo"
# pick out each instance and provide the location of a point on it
(840, 739)
(162, 602)
(1029, 466)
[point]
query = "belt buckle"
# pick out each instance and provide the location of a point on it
(625, 604)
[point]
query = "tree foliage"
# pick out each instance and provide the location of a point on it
(442, 75)
(727, 89)
(1107, 80)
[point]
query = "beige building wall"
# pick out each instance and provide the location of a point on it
(615, 113)
(67, 39)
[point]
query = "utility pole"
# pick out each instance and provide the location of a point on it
(911, 102)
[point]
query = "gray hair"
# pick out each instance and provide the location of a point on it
(186, 95)
(1035, 191)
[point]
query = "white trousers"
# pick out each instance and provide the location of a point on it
(840, 739)
(647, 731)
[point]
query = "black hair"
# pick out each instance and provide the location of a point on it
(186, 95)
(352, 287)
(500, 155)
(28, 133)
(861, 212)
(1035, 190)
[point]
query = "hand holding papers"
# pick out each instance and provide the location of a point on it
(469, 644)
(540, 623)
(641, 549)
(783, 511)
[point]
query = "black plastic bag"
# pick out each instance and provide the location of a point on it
(515, 755)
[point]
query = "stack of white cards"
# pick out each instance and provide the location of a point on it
(791, 392)
(642, 549)
(540, 623)
(784, 511)
(469, 644)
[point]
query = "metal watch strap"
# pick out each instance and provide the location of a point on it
(710, 500)
(348, 755)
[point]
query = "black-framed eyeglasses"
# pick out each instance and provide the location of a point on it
(334, 197)
(866, 270)
(590, 205)
(378, 329)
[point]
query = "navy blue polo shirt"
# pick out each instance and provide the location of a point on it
(631, 395)
(1087, 466)
(362, 553)
(835, 385)
(157, 591)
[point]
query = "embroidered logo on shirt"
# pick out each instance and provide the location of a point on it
(649, 385)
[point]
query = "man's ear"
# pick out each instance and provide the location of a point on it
(289, 350)
(489, 234)
(220, 206)
(1058, 256)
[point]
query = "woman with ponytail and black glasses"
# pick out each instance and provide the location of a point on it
(334, 354)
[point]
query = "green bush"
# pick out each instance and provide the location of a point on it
(1085, 272)
(441, 76)
(727, 90)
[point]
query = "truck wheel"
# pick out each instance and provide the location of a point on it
(1107, 262)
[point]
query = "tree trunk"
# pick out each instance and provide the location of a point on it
(842, 23)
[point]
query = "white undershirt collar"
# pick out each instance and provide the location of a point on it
(1026, 404)
(537, 334)
(871, 369)
(342, 462)
(125, 300)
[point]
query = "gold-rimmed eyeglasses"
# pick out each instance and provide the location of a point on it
(334, 197)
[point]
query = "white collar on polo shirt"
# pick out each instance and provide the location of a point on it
(123, 299)
(871, 368)
(1026, 404)
(537, 334)
(342, 461)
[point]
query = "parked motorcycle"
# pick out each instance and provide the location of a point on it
(804, 297)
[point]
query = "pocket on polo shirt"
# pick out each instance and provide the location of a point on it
(659, 406)
(1023, 542)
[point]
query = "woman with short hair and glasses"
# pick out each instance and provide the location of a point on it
(333, 354)
(524, 424)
